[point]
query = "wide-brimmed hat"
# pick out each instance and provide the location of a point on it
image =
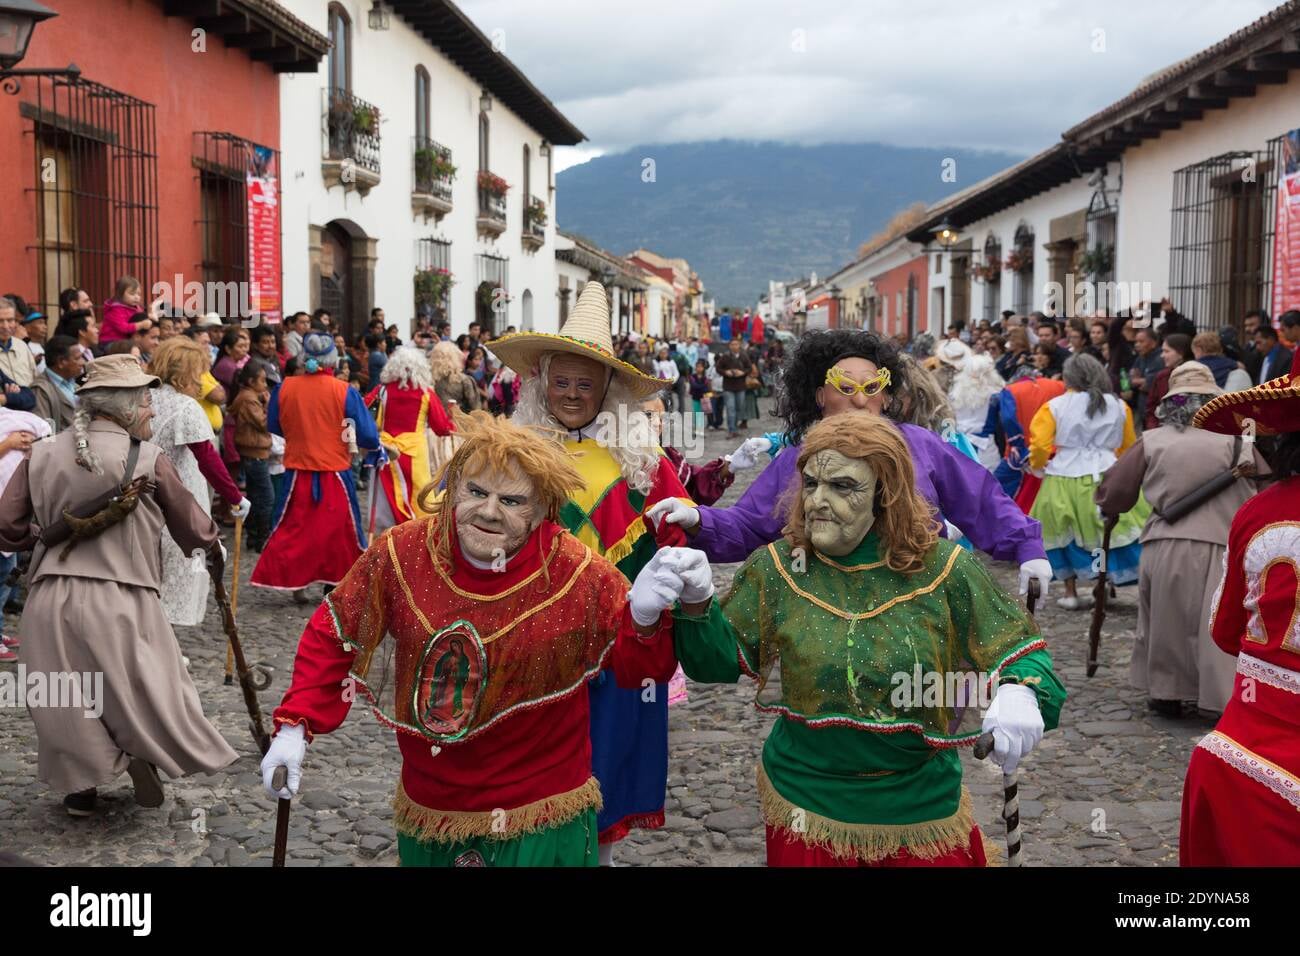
(586, 333)
(1192, 378)
(954, 352)
(1273, 406)
(210, 320)
(116, 371)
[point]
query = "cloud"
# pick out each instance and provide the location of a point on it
(1011, 75)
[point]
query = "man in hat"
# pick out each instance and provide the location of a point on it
(93, 610)
(497, 619)
(1243, 781)
(577, 392)
(316, 530)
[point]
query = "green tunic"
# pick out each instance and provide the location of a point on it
(875, 666)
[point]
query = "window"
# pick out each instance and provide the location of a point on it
(483, 130)
(433, 278)
(340, 57)
(1223, 225)
(96, 175)
(1023, 290)
(528, 176)
(422, 125)
(992, 278)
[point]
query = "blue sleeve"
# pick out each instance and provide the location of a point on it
(273, 413)
(23, 400)
(355, 409)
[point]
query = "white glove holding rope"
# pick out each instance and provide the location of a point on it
(656, 588)
(1016, 722)
(288, 748)
(676, 511)
(1039, 568)
(747, 455)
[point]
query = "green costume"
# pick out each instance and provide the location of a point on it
(863, 762)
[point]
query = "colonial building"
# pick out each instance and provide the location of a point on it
(143, 163)
(420, 171)
(579, 261)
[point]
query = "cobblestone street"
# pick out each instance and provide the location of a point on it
(1103, 789)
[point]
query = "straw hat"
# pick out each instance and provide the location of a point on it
(116, 371)
(586, 333)
(1192, 378)
(1274, 406)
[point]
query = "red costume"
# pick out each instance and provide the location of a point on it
(403, 417)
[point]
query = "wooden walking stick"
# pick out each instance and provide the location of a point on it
(247, 682)
(1010, 781)
(1099, 595)
(234, 598)
(278, 779)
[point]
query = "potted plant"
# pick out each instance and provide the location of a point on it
(432, 286)
(492, 183)
(365, 119)
(987, 271)
(1020, 260)
(431, 164)
(537, 212)
(1097, 261)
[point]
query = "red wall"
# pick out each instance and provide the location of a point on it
(888, 284)
(131, 46)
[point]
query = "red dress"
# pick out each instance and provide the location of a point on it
(1241, 799)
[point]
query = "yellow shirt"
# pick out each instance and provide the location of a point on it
(211, 409)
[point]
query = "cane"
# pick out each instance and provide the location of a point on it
(234, 599)
(1010, 781)
(278, 779)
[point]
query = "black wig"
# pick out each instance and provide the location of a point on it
(805, 372)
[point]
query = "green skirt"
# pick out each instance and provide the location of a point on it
(570, 844)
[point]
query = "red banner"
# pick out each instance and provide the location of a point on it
(264, 248)
(1286, 238)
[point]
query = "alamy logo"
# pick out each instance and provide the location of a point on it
(59, 689)
(77, 909)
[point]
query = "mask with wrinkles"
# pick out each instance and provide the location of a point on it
(838, 493)
(495, 514)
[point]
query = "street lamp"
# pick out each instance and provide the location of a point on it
(485, 102)
(379, 17)
(945, 234)
(18, 18)
(544, 150)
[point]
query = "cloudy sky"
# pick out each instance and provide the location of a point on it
(997, 74)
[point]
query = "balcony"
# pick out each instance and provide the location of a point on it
(491, 204)
(431, 189)
(351, 157)
(534, 224)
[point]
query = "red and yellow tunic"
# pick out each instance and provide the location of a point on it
(1242, 793)
(403, 416)
(488, 676)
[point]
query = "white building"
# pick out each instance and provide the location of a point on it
(367, 205)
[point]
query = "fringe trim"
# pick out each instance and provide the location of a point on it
(868, 842)
(455, 826)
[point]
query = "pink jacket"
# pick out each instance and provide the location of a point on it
(117, 322)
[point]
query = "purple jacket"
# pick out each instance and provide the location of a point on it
(965, 493)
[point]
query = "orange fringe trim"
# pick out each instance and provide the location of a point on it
(455, 826)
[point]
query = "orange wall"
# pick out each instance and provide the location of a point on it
(131, 46)
(889, 283)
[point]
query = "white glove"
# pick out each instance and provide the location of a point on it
(1016, 723)
(678, 512)
(1039, 568)
(656, 588)
(746, 456)
(242, 510)
(1039, 473)
(287, 749)
(692, 567)
(951, 531)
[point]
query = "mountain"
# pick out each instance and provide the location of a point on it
(743, 213)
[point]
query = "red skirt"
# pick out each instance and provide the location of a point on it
(786, 849)
(1241, 799)
(313, 541)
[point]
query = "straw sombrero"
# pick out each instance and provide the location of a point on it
(1274, 406)
(585, 332)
